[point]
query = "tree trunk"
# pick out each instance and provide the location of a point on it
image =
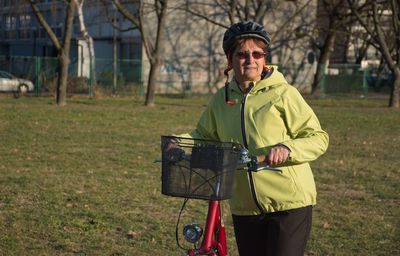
(155, 63)
(63, 56)
(61, 95)
(395, 91)
(323, 60)
(153, 75)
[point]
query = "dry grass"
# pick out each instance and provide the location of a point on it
(80, 180)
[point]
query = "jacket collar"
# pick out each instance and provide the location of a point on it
(274, 77)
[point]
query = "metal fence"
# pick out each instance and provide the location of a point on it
(124, 78)
(354, 80)
(347, 79)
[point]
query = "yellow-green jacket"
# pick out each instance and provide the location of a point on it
(273, 112)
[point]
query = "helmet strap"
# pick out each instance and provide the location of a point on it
(227, 100)
(226, 73)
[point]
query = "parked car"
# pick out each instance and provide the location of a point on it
(18, 86)
(380, 79)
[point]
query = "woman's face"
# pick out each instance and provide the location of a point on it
(248, 61)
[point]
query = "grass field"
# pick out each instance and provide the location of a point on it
(81, 179)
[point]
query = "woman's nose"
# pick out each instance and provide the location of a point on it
(249, 58)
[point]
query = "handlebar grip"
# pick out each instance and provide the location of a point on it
(261, 159)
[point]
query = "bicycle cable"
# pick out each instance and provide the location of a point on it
(177, 224)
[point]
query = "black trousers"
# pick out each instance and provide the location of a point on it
(274, 234)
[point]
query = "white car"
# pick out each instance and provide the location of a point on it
(10, 83)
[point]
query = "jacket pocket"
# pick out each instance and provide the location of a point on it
(304, 182)
(277, 189)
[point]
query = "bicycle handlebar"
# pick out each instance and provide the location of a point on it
(252, 162)
(247, 162)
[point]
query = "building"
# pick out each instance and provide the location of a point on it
(22, 36)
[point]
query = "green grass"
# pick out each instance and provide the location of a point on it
(80, 180)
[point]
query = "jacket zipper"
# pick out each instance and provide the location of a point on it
(253, 190)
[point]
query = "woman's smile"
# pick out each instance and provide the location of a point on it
(248, 61)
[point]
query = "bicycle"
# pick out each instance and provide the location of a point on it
(204, 169)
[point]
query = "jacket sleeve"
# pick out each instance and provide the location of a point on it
(206, 127)
(308, 141)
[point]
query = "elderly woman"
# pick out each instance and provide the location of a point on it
(272, 211)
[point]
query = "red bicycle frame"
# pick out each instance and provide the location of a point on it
(188, 161)
(214, 240)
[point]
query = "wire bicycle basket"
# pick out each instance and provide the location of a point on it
(198, 169)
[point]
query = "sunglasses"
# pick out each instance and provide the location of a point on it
(256, 55)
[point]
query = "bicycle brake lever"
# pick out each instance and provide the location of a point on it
(252, 162)
(267, 167)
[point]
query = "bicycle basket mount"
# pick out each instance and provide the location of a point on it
(199, 169)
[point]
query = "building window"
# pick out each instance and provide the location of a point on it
(10, 25)
(11, 22)
(24, 26)
(23, 34)
(25, 20)
(10, 34)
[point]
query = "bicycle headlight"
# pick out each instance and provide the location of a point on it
(192, 233)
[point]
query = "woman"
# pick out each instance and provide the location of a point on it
(271, 211)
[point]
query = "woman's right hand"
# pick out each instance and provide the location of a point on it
(277, 155)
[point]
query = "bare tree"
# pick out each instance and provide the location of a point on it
(63, 48)
(282, 19)
(333, 18)
(154, 51)
(224, 13)
(88, 39)
(360, 51)
(381, 21)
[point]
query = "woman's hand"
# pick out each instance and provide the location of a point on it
(172, 151)
(277, 155)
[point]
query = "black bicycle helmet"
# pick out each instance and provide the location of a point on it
(244, 29)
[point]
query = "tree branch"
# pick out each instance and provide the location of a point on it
(202, 16)
(137, 21)
(69, 22)
(45, 25)
(381, 38)
(282, 28)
